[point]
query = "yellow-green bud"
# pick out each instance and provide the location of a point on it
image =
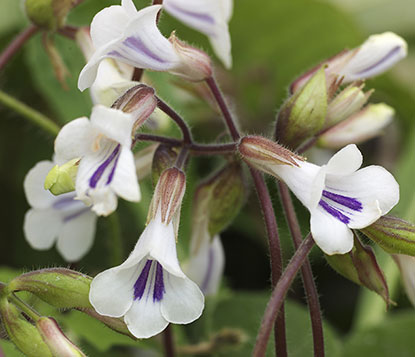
(48, 14)
(61, 179)
(164, 157)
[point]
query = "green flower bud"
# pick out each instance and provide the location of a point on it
(393, 234)
(21, 332)
(59, 287)
(57, 342)
(48, 14)
(361, 267)
(304, 113)
(164, 158)
(61, 179)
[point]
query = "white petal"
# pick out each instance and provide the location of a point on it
(112, 291)
(183, 301)
(331, 235)
(76, 236)
(41, 227)
(125, 183)
(345, 161)
(74, 140)
(227, 8)
(407, 266)
(221, 44)
(33, 185)
(144, 319)
(113, 123)
(129, 6)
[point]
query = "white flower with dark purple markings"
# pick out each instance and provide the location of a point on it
(130, 36)
(211, 18)
(149, 289)
(339, 196)
(106, 168)
(60, 219)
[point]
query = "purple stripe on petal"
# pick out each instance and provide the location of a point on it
(334, 212)
(209, 270)
(201, 17)
(159, 289)
(140, 284)
(64, 202)
(136, 44)
(111, 175)
(387, 57)
(76, 214)
(101, 168)
(348, 202)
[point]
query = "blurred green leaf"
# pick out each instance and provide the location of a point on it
(11, 15)
(9, 349)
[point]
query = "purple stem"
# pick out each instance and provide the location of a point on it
(168, 342)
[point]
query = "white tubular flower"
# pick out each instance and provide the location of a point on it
(149, 289)
(130, 36)
(375, 56)
(358, 128)
(60, 219)
(406, 265)
(107, 168)
(206, 264)
(211, 18)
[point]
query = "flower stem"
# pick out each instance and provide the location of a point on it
(182, 157)
(187, 136)
(29, 113)
(278, 295)
(276, 256)
(168, 342)
(31, 313)
(116, 245)
(306, 272)
(16, 44)
(223, 107)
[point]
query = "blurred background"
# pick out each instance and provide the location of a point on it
(272, 43)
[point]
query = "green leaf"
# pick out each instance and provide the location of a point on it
(9, 349)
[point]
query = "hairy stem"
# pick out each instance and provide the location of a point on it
(29, 113)
(276, 256)
(31, 313)
(306, 272)
(278, 295)
(16, 44)
(182, 157)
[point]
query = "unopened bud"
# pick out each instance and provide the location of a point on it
(48, 14)
(393, 234)
(346, 103)
(195, 64)
(303, 115)
(59, 287)
(164, 158)
(21, 332)
(406, 265)
(54, 337)
(61, 179)
(140, 101)
(263, 153)
(358, 128)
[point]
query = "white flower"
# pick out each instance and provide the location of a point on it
(56, 218)
(211, 18)
(149, 289)
(107, 165)
(206, 264)
(339, 196)
(406, 265)
(132, 37)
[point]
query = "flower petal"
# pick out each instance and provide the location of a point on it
(41, 227)
(144, 319)
(129, 6)
(183, 301)
(345, 161)
(330, 234)
(77, 235)
(33, 185)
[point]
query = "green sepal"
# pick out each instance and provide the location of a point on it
(360, 266)
(394, 235)
(61, 179)
(48, 14)
(59, 287)
(164, 157)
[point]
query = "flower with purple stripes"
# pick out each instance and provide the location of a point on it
(60, 219)
(339, 196)
(106, 168)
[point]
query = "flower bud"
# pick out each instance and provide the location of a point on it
(140, 101)
(61, 179)
(360, 127)
(57, 342)
(48, 14)
(406, 265)
(346, 103)
(195, 64)
(304, 113)
(393, 234)
(360, 266)
(262, 153)
(21, 332)
(59, 287)
(164, 158)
